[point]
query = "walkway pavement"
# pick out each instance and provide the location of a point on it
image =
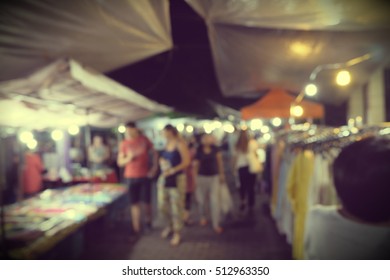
(245, 237)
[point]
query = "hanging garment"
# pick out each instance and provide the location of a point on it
(330, 236)
(286, 220)
(276, 161)
(297, 187)
(282, 209)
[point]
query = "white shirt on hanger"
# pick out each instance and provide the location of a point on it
(331, 236)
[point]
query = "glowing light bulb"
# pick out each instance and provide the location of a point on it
(354, 130)
(343, 78)
(32, 144)
(297, 111)
(346, 133)
(180, 127)
(276, 122)
(265, 129)
(351, 122)
(208, 128)
(73, 130)
(57, 135)
(26, 136)
(256, 124)
(358, 121)
(311, 90)
(190, 129)
(300, 48)
(217, 124)
(228, 128)
(267, 137)
(121, 129)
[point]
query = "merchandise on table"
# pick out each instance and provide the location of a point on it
(35, 225)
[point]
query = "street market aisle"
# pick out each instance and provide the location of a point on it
(245, 237)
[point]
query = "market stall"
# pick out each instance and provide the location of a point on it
(278, 103)
(36, 225)
(62, 99)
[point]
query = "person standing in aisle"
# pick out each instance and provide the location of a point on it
(133, 154)
(33, 169)
(210, 175)
(190, 179)
(245, 150)
(174, 160)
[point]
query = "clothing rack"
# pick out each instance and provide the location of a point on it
(319, 137)
(301, 173)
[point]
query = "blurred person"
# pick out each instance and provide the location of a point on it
(174, 160)
(210, 174)
(12, 160)
(113, 152)
(245, 149)
(133, 154)
(190, 179)
(360, 227)
(33, 169)
(98, 153)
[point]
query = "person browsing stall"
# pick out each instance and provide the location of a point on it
(210, 175)
(174, 160)
(133, 154)
(245, 162)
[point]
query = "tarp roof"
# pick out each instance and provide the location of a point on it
(255, 45)
(261, 44)
(277, 103)
(65, 93)
(105, 35)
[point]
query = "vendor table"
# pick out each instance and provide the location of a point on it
(109, 177)
(36, 225)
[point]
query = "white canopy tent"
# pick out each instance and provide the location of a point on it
(261, 44)
(65, 93)
(103, 34)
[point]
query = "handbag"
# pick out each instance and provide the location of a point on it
(226, 201)
(255, 165)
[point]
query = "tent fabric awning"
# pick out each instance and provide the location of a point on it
(277, 103)
(66, 93)
(259, 45)
(103, 34)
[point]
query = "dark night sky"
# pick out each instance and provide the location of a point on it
(184, 77)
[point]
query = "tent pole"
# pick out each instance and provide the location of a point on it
(87, 143)
(2, 200)
(119, 139)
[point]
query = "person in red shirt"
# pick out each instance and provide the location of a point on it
(133, 155)
(32, 175)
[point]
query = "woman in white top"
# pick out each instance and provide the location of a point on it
(245, 151)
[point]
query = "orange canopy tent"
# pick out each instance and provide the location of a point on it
(277, 103)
